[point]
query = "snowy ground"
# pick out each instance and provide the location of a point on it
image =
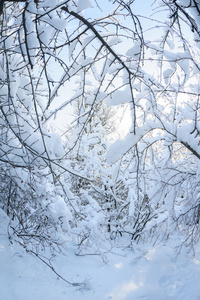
(157, 275)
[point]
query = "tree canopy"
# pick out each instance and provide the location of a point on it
(99, 62)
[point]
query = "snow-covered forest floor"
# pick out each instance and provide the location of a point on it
(154, 273)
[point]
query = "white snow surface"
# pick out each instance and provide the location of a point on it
(153, 274)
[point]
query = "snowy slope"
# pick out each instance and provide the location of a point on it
(121, 274)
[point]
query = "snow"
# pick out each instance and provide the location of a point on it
(84, 4)
(135, 50)
(139, 273)
(167, 74)
(59, 24)
(121, 146)
(98, 268)
(114, 41)
(118, 98)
